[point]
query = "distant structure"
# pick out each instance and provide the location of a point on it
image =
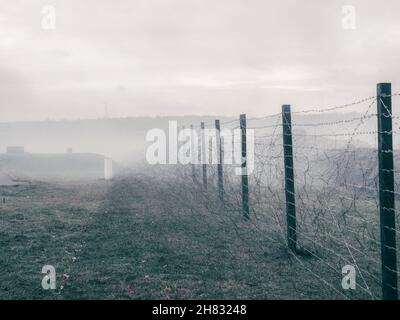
(52, 166)
(15, 150)
(69, 150)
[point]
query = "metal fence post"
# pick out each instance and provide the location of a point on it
(192, 147)
(245, 178)
(386, 192)
(179, 146)
(220, 160)
(289, 178)
(203, 156)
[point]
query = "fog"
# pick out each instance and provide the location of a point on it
(124, 139)
(199, 57)
(94, 76)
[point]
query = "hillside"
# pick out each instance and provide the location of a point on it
(123, 139)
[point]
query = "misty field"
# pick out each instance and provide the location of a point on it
(143, 237)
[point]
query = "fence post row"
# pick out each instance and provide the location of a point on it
(289, 177)
(386, 183)
(245, 178)
(220, 159)
(203, 156)
(386, 192)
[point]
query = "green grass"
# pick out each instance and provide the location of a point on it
(41, 225)
(135, 239)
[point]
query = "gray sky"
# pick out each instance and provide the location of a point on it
(176, 57)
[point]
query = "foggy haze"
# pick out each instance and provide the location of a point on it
(199, 149)
(146, 58)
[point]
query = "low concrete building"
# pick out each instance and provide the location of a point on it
(15, 150)
(68, 166)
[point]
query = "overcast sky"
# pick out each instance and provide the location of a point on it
(176, 57)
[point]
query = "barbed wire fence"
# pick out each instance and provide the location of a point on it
(317, 187)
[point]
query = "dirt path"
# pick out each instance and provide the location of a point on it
(142, 238)
(144, 245)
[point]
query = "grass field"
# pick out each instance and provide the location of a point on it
(133, 239)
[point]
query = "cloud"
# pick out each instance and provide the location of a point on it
(196, 55)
